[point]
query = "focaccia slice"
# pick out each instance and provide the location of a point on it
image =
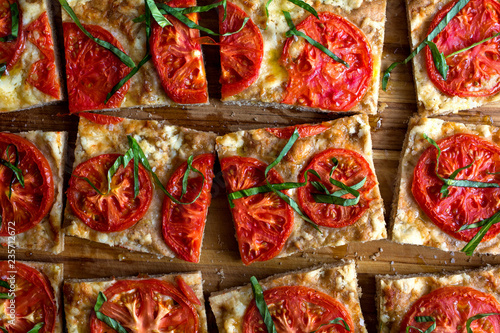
(410, 224)
(336, 281)
(32, 78)
(266, 78)
(175, 296)
(167, 148)
(244, 155)
(47, 234)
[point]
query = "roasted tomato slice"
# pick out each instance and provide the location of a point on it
(451, 307)
(178, 59)
(27, 205)
(101, 119)
(144, 306)
(91, 70)
(183, 225)
(472, 73)
(464, 205)
(298, 309)
(34, 302)
(10, 52)
(304, 130)
(263, 221)
(113, 211)
(315, 79)
(240, 54)
(351, 169)
(43, 73)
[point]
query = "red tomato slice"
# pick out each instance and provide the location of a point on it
(114, 211)
(10, 52)
(451, 307)
(263, 221)
(43, 75)
(144, 306)
(101, 119)
(240, 54)
(315, 79)
(178, 60)
(305, 130)
(183, 225)
(186, 290)
(352, 168)
(27, 205)
(472, 73)
(464, 205)
(298, 309)
(34, 302)
(91, 70)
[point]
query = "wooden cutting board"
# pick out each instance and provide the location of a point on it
(220, 261)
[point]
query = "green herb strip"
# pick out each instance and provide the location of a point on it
(90, 183)
(451, 14)
(335, 198)
(155, 12)
(14, 26)
(473, 45)
(187, 10)
(485, 226)
(478, 316)
(101, 298)
(16, 172)
(36, 328)
(294, 32)
(260, 302)
(108, 46)
(336, 321)
(438, 59)
(4, 330)
(6, 285)
(306, 6)
(3, 68)
(423, 319)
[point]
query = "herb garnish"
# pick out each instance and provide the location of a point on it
(485, 226)
(16, 172)
(478, 316)
(36, 328)
(3, 68)
(114, 324)
(261, 305)
(14, 25)
(6, 285)
(159, 18)
(337, 321)
(4, 330)
(423, 319)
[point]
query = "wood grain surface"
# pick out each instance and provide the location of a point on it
(220, 261)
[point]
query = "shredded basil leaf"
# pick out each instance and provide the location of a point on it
(155, 12)
(423, 319)
(493, 173)
(336, 199)
(16, 172)
(90, 183)
(336, 321)
(306, 6)
(294, 32)
(260, 302)
(4, 330)
(101, 298)
(108, 46)
(14, 26)
(438, 59)
(478, 316)
(485, 226)
(36, 328)
(4, 284)
(473, 45)
(3, 68)
(5, 296)
(188, 10)
(444, 21)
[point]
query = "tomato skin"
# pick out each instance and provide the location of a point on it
(91, 70)
(28, 205)
(315, 79)
(186, 290)
(464, 205)
(263, 222)
(304, 130)
(101, 119)
(451, 307)
(471, 72)
(114, 211)
(298, 309)
(10, 52)
(43, 73)
(183, 225)
(352, 169)
(158, 305)
(34, 298)
(240, 54)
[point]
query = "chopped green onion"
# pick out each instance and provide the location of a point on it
(438, 59)
(423, 319)
(336, 321)
(36, 328)
(294, 32)
(473, 45)
(114, 324)
(260, 302)
(478, 316)
(14, 25)
(485, 226)
(159, 18)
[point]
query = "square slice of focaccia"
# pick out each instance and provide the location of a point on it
(282, 71)
(37, 289)
(164, 303)
(32, 70)
(450, 299)
(323, 294)
(167, 148)
(175, 74)
(411, 223)
(45, 235)
(266, 226)
(462, 89)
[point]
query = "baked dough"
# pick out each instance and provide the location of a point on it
(166, 148)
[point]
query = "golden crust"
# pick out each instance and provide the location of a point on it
(80, 297)
(270, 86)
(396, 294)
(338, 281)
(47, 235)
(350, 133)
(410, 224)
(165, 146)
